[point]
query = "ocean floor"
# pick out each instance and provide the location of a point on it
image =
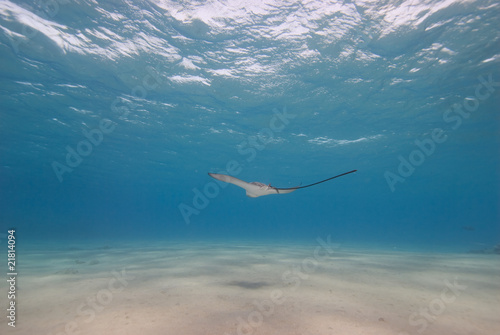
(252, 288)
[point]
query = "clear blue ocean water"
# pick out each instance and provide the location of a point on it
(113, 113)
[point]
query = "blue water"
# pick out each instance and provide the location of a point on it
(112, 114)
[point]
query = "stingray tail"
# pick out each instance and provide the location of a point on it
(319, 182)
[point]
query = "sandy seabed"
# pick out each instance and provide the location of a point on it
(252, 288)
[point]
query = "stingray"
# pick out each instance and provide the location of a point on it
(256, 189)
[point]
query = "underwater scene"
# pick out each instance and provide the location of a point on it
(256, 167)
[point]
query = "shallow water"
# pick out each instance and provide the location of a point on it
(112, 114)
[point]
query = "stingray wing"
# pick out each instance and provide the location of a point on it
(228, 179)
(286, 190)
(253, 190)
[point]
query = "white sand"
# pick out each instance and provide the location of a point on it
(234, 289)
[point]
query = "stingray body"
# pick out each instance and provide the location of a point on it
(255, 189)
